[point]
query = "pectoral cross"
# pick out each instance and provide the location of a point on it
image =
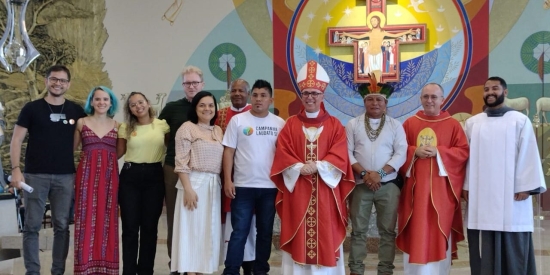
(311, 147)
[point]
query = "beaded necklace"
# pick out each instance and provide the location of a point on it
(371, 133)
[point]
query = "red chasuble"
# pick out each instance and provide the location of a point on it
(224, 116)
(314, 216)
(429, 206)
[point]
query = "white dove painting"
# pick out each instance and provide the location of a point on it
(415, 3)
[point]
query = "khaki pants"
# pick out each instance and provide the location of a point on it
(385, 200)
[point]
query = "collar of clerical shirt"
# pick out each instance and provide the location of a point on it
(312, 115)
(498, 112)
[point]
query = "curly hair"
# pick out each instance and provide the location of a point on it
(130, 119)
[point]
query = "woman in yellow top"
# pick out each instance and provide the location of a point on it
(141, 139)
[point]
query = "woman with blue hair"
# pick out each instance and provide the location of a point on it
(96, 186)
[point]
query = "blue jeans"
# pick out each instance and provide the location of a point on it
(247, 202)
(59, 189)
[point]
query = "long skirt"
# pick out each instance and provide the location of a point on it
(196, 239)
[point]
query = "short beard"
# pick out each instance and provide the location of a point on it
(54, 94)
(498, 101)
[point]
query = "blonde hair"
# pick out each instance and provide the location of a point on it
(192, 69)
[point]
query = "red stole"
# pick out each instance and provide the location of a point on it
(224, 116)
(429, 207)
(314, 216)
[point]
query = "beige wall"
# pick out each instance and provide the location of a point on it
(143, 52)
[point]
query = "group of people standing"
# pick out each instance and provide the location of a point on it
(415, 175)
(227, 172)
(56, 128)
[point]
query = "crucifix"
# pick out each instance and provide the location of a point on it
(376, 46)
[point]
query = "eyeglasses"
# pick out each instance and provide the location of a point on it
(432, 97)
(312, 94)
(189, 84)
(140, 102)
(55, 79)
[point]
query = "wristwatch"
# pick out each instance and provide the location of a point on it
(363, 173)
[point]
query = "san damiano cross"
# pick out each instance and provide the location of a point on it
(376, 47)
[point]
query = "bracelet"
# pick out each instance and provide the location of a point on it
(382, 173)
(15, 167)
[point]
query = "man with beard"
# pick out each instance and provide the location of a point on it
(49, 166)
(505, 163)
(429, 215)
(239, 93)
(175, 114)
(376, 43)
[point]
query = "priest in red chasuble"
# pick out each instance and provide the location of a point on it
(239, 94)
(430, 216)
(314, 177)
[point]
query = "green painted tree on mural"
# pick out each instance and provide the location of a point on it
(56, 28)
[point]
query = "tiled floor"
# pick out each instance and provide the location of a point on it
(541, 239)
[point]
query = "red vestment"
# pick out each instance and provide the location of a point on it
(314, 216)
(224, 116)
(429, 207)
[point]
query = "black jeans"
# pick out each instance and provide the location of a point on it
(140, 195)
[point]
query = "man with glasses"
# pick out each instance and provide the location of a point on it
(239, 94)
(430, 216)
(377, 148)
(314, 177)
(49, 166)
(175, 114)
